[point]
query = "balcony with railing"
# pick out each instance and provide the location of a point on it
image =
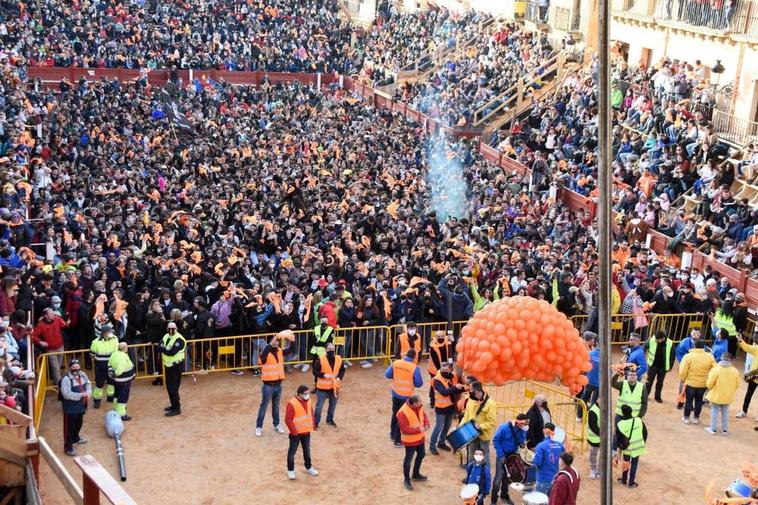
(737, 18)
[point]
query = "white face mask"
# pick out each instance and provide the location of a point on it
(411, 332)
(525, 428)
(478, 458)
(306, 396)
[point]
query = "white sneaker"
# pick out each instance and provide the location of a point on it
(312, 471)
(305, 368)
(279, 429)
(291, 475)
(710, 430)
(594, 474)
(367, 364)
(696, 420)
(348, 364)
(740, 415)
(686, 420)
(258, 432)
(723, 433)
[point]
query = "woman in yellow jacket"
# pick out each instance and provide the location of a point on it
(723, 381)
(482, 410)
(693, 372)
(752, 384)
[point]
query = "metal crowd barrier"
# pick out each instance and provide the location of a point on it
(566, 411)
(676, 326)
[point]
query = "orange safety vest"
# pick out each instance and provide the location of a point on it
(327, 384)
(402, 377)
(272, 369)
(414, 421)
(441, 401)
(405, 346)
(436, 348)
(303, 420)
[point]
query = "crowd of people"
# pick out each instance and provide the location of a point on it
(397, 40)
(664, 148)
(286, 207)
(278, 35)
(473, 77)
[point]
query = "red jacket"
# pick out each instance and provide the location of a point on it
(329, 310)
(51, 332)
(565, 487)
(289, 415)
(405, 427)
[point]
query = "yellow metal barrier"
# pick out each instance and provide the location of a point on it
(366, 343)
(517, 397)
(40, 388)
(678, 326)
(144, 357)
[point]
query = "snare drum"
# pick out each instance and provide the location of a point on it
(469, 492)
(462, 436)
(739, 489)
(535, 498)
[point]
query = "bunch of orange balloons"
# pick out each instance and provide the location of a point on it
(523, 338)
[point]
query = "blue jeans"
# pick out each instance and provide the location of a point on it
(322, 396)
(717, 409)
(269, 394)
(543, 487)
(441, 427)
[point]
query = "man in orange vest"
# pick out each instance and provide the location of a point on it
(329, 371)
(406, 376)
(409, 339)
(440, 350)
(272, 374)
(413, 423)
(299, 420)
(446, 388)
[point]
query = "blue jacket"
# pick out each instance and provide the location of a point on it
(637, 356)
(546, 457)
(508, 438)
(418, 381)
(684, 347)
(481, 475)
(719, 348)
(594, 374)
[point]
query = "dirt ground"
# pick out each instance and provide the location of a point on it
(210, 455)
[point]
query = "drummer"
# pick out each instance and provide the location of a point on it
(509, 437)
(478, 472)
(483, 412)
(546, 457)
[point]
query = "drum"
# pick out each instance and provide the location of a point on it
(517, 487)
(739, 489)
(469, 492)
(462, 436)
(535, 498)
(559, 435)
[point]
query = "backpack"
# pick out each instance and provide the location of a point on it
(516, 468)
(60, 395)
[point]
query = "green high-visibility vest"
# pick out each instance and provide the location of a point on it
(631, 397)
(319, 347)
(592, 437)
(102, 348)
(121, 365)
(724, 322)
(652, 347)
(168, 342)
(632, 429)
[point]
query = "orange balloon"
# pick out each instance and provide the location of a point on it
(516, 347)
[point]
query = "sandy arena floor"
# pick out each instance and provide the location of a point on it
(210, 455)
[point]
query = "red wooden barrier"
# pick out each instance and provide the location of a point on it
(751, 292)
(489, 153)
